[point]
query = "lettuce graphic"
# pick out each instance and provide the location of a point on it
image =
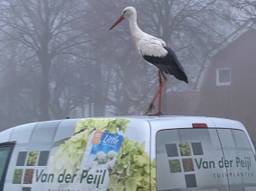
(185, 149)
(32, 158)
(17, 176)
(129, 172)
(132, 169)
(69, 154)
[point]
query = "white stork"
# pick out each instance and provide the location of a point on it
(154, 51)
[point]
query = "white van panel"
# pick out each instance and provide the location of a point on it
(43, 130)
(193, 170)
(142, 134)
(65, 129)
(53, 136)
(21, 134)
(5, 135)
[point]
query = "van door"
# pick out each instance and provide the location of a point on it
(239, 159)
(190, 160)
(5, 154)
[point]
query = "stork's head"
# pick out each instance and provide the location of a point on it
(127, 13)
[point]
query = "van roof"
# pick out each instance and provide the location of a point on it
(160, 122)
(182, 120)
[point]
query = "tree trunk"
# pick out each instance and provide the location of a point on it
(44, 101)
(99, 107)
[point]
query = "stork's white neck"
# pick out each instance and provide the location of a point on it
(136, 32)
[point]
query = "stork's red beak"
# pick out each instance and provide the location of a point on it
(119, 20)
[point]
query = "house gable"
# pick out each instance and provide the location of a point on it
(237, 99)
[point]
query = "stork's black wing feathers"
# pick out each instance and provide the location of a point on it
(169, 64)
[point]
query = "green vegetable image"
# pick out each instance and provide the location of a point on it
(72, 150)
(185, 149)
(131, 168)
(175, 166)
(32, 158)
(17, 176)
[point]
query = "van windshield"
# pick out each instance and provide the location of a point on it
(204, 160)
(4, 155)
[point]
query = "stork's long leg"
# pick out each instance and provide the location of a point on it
(151, 105)
(160, 94)
(161, 79)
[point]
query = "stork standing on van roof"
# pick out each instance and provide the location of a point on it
(154, 51)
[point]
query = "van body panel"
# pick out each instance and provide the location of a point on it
(6, 135)
(54, 155)
(65, 129)
(59, 140)
(21, 134)
(202, 158)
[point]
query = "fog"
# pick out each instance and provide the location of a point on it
(59, 60)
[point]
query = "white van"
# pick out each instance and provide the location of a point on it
(169, 153)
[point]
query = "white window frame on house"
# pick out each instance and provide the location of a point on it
(223, 83)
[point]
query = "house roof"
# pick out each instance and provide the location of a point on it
(228, 41)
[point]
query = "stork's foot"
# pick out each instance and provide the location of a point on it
(150, 108)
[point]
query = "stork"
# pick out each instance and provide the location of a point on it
(154, 51)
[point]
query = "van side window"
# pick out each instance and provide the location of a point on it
(5, 152)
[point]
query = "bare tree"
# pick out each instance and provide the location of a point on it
(18, 88)
(44, 27)
(244, 12)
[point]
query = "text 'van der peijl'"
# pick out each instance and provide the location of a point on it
(238, 162)
(85, 177)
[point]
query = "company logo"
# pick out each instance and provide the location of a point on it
(106, 142)
(180, 158)
(186, 158)
(25, 167)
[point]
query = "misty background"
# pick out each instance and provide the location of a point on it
(59, 60)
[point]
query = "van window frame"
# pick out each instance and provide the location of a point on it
(216, 128)
(9, 145)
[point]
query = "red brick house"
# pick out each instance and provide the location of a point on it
(227, 85)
